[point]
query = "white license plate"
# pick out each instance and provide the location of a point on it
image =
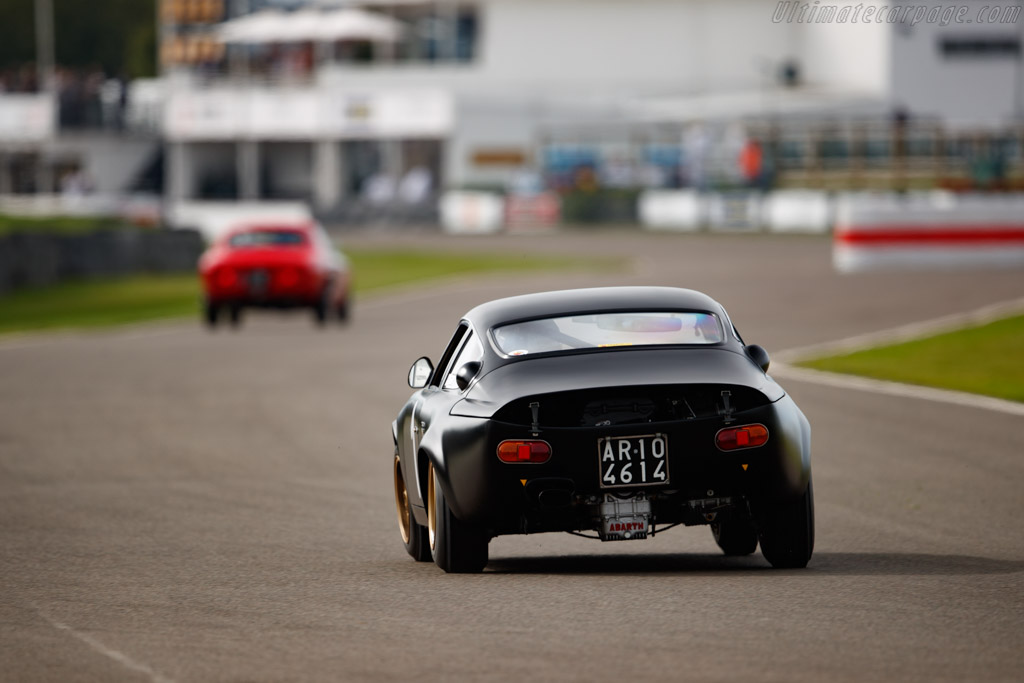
(630, 461)
(258, 281)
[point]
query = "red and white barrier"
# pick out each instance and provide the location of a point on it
(533, 213)
(214, 218)
(938, 230)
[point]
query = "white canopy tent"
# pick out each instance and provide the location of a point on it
(295, 27)
(243, 29)
(356, 24)
(370, 3)
(309, 25)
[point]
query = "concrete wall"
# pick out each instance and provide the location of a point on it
(845, 56)
(966, 91)
(111, 162)
(545, 62)
(606, 48)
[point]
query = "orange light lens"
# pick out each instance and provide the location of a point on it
(524, 451)
(747, 436)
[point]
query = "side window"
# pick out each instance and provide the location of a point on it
(470, 351)
(449, 352)
(729, 325)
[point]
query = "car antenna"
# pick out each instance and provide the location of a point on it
(535, 411)
(727, 411)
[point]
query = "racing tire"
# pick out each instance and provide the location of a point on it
(787, 532)
(736, 537)
(414, 534)
(342, 311)
(320, 309)
(211, 314)
(235, 313)
(457, 547)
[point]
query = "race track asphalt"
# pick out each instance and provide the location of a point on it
(177, 505)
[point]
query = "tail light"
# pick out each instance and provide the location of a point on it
(747, 436)
(524, 451)
(226, 277)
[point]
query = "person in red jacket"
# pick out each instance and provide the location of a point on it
(752, 163)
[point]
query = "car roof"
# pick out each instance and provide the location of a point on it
(593, 300)
(304, 227)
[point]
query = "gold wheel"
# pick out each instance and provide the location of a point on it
(402, 503)
(431, 508)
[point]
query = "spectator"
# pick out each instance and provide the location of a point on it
(752, 163)
(379, 189)
(415, 185)
(696, 146)
(987, 165)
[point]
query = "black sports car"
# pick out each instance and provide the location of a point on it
(612, 412)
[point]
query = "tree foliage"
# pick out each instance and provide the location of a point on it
(117, 36)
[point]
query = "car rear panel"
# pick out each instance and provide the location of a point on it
(512, 497)
(264, 275)
(608, 369)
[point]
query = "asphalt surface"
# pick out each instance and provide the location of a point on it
(177, 505)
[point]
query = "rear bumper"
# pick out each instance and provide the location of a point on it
(266, 301)
(561, 494)
(272, 287)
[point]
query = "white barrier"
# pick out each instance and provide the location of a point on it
(676, 210)
(734, 212)
(937, 230)
(47, 205)
(797, 211)
(140, 209)
(472, 213)
(27, 117)
(213, 219)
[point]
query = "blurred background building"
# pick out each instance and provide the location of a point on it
(368, 110)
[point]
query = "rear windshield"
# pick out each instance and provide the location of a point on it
(607, 330)
(267, 238)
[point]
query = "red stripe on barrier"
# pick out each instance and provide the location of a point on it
(884, 235)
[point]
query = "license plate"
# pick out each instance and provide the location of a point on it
(630, 461)
(258, 280)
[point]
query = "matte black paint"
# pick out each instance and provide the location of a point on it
(458, 432)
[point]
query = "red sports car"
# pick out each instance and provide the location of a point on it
(274, 265)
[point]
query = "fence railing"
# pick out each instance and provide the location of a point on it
(36, 259)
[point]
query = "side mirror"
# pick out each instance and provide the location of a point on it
(759, 356)
(420, 372)
(466, 374)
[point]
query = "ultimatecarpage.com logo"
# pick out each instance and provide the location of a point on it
(790, 12)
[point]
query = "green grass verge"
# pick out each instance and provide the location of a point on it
(100, 303)
(61, 225)
(133, 299)
(376, 269)
(980, 360)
